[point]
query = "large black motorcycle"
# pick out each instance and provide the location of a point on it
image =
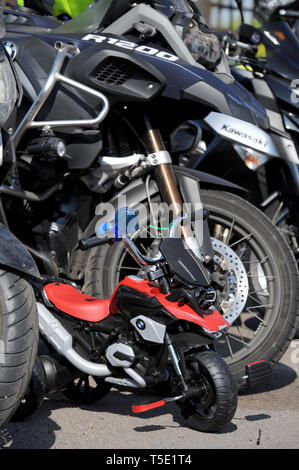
(18, 313)
(278, 10)
(265, 61)
(78, 141)
(272, 78)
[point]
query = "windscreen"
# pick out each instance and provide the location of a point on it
(88, 21)
(181, 6)
(282, 49)
(264, 9)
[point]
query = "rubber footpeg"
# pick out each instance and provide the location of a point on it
(258, 373)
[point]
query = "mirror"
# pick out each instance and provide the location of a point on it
(249, 34)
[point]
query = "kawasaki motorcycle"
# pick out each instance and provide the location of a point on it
(265, 61)
(273, 80)
(278, 10)
(83, 135)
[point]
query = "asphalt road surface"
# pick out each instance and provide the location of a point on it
(267, 419)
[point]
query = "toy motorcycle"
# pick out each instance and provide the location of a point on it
(147, 334)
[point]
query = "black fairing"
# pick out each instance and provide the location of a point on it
(13, 255)
(182, 261)
(34, 61)
(282, 57)
(131, 302)
(123, 76)
(126, 75)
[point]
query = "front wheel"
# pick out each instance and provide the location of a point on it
(18, 341)
(260, 284)
(215, 405)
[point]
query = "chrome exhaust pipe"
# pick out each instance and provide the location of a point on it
(62, 342)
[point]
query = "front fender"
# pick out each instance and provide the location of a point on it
(189, 182)
(13, 255)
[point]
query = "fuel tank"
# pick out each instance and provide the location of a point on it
(125, 70)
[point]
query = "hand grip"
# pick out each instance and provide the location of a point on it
(92, 242)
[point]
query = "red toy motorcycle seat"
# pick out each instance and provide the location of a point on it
(67, 299)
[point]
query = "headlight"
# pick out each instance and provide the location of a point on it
(204, 46)
(8, 89)
(252, 159)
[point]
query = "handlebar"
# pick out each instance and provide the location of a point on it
(289, 14)
(92, 242)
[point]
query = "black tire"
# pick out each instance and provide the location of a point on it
(268, 337)
(286, 230)
(271, 341)
(86, 390)
(19, 334)
(215, 407)
(35, 394)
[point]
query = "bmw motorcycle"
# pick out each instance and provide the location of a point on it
(18, 314)
(83, 135)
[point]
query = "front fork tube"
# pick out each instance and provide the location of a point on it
(165, 177)
(175, 362)
(170, 193)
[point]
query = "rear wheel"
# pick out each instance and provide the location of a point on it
(18, 341)
(86, 390)
(216, 403)
(267, 319)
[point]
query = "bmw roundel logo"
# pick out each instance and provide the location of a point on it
(140, 324)
(10, 48)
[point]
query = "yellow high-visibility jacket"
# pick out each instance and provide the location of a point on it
(58, 7)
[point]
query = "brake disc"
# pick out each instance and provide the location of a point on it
(233, 269)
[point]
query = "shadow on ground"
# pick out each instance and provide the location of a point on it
(38, 431)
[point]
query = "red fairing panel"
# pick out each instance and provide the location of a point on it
(211, 323)
(68, 300)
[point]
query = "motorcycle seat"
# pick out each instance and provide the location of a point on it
(68, 300)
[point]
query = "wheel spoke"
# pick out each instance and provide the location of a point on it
(87, 387)
(256, 316)
(261, 306)
(237, 339)
(79, 383)
(230, 231)
(259, 262)
(256, 300)
(242, 339)
(229, 346)
(260, 292)
(241, 240)
(270, 278)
